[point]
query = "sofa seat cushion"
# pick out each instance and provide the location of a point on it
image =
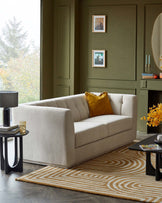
(114, 123)
(87, 132)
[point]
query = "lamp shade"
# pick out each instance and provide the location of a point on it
(8, 99)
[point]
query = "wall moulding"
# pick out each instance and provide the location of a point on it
(112, 90)
(119, 41)
(112, 84)
(62, 90)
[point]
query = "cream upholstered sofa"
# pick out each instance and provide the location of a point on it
(61, 132)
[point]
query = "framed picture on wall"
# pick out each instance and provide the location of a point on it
(98, 23)
(98, 58)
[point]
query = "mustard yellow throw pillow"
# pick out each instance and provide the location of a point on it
(98, 105)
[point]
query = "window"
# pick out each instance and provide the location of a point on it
(20, 48)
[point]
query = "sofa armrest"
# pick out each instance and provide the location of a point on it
(129, 108)
(51, 134)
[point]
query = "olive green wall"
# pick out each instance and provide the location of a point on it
(47, 35)
(64, 47)
(119, 42)
(126, 41)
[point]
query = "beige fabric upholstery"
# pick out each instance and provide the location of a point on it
(113, 123)
(102, 146)
(51, 137)
(76, 103)
(62, 134)
(87, 132)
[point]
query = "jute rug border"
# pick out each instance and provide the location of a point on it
(63, 181)
(72, 188)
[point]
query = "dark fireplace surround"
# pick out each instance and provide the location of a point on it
(154, 98)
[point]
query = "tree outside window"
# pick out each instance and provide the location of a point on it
(19, 62)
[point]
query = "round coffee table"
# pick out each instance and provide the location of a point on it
(18, 163)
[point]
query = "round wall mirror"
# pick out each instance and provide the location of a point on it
(156, 41)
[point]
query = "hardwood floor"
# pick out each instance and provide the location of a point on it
(12, 191)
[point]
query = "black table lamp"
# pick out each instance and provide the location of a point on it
(8, 99)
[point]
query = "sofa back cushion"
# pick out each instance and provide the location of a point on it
(76, 103)
(121, 104)
(116, 101)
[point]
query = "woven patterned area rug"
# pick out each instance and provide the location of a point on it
(120, 174)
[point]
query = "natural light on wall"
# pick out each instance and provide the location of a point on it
(20, 48)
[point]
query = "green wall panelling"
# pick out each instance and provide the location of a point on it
(119, 42)
(83, 44)
(112, 84)
(62, 91)
(129, 28)
(64, 46)
(151, 13)
(46, 52)
(143, 84)
(76, 24)
(63, 42)
(109, 90)
(142, 109)
(154, 84)
(140, 39)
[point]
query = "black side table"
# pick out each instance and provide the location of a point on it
(150, 170)
(18, 164)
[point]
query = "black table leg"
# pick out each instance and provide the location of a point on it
(18, 164)
(150, 170)
(18, 167)
(16, 152)
(1, 152)
(6, 165)
(160, 160)
(21, 155)
(158, 174)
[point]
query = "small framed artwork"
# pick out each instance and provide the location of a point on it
(98, 23)
(98, 58)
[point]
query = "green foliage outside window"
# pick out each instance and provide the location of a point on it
(19, 63)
